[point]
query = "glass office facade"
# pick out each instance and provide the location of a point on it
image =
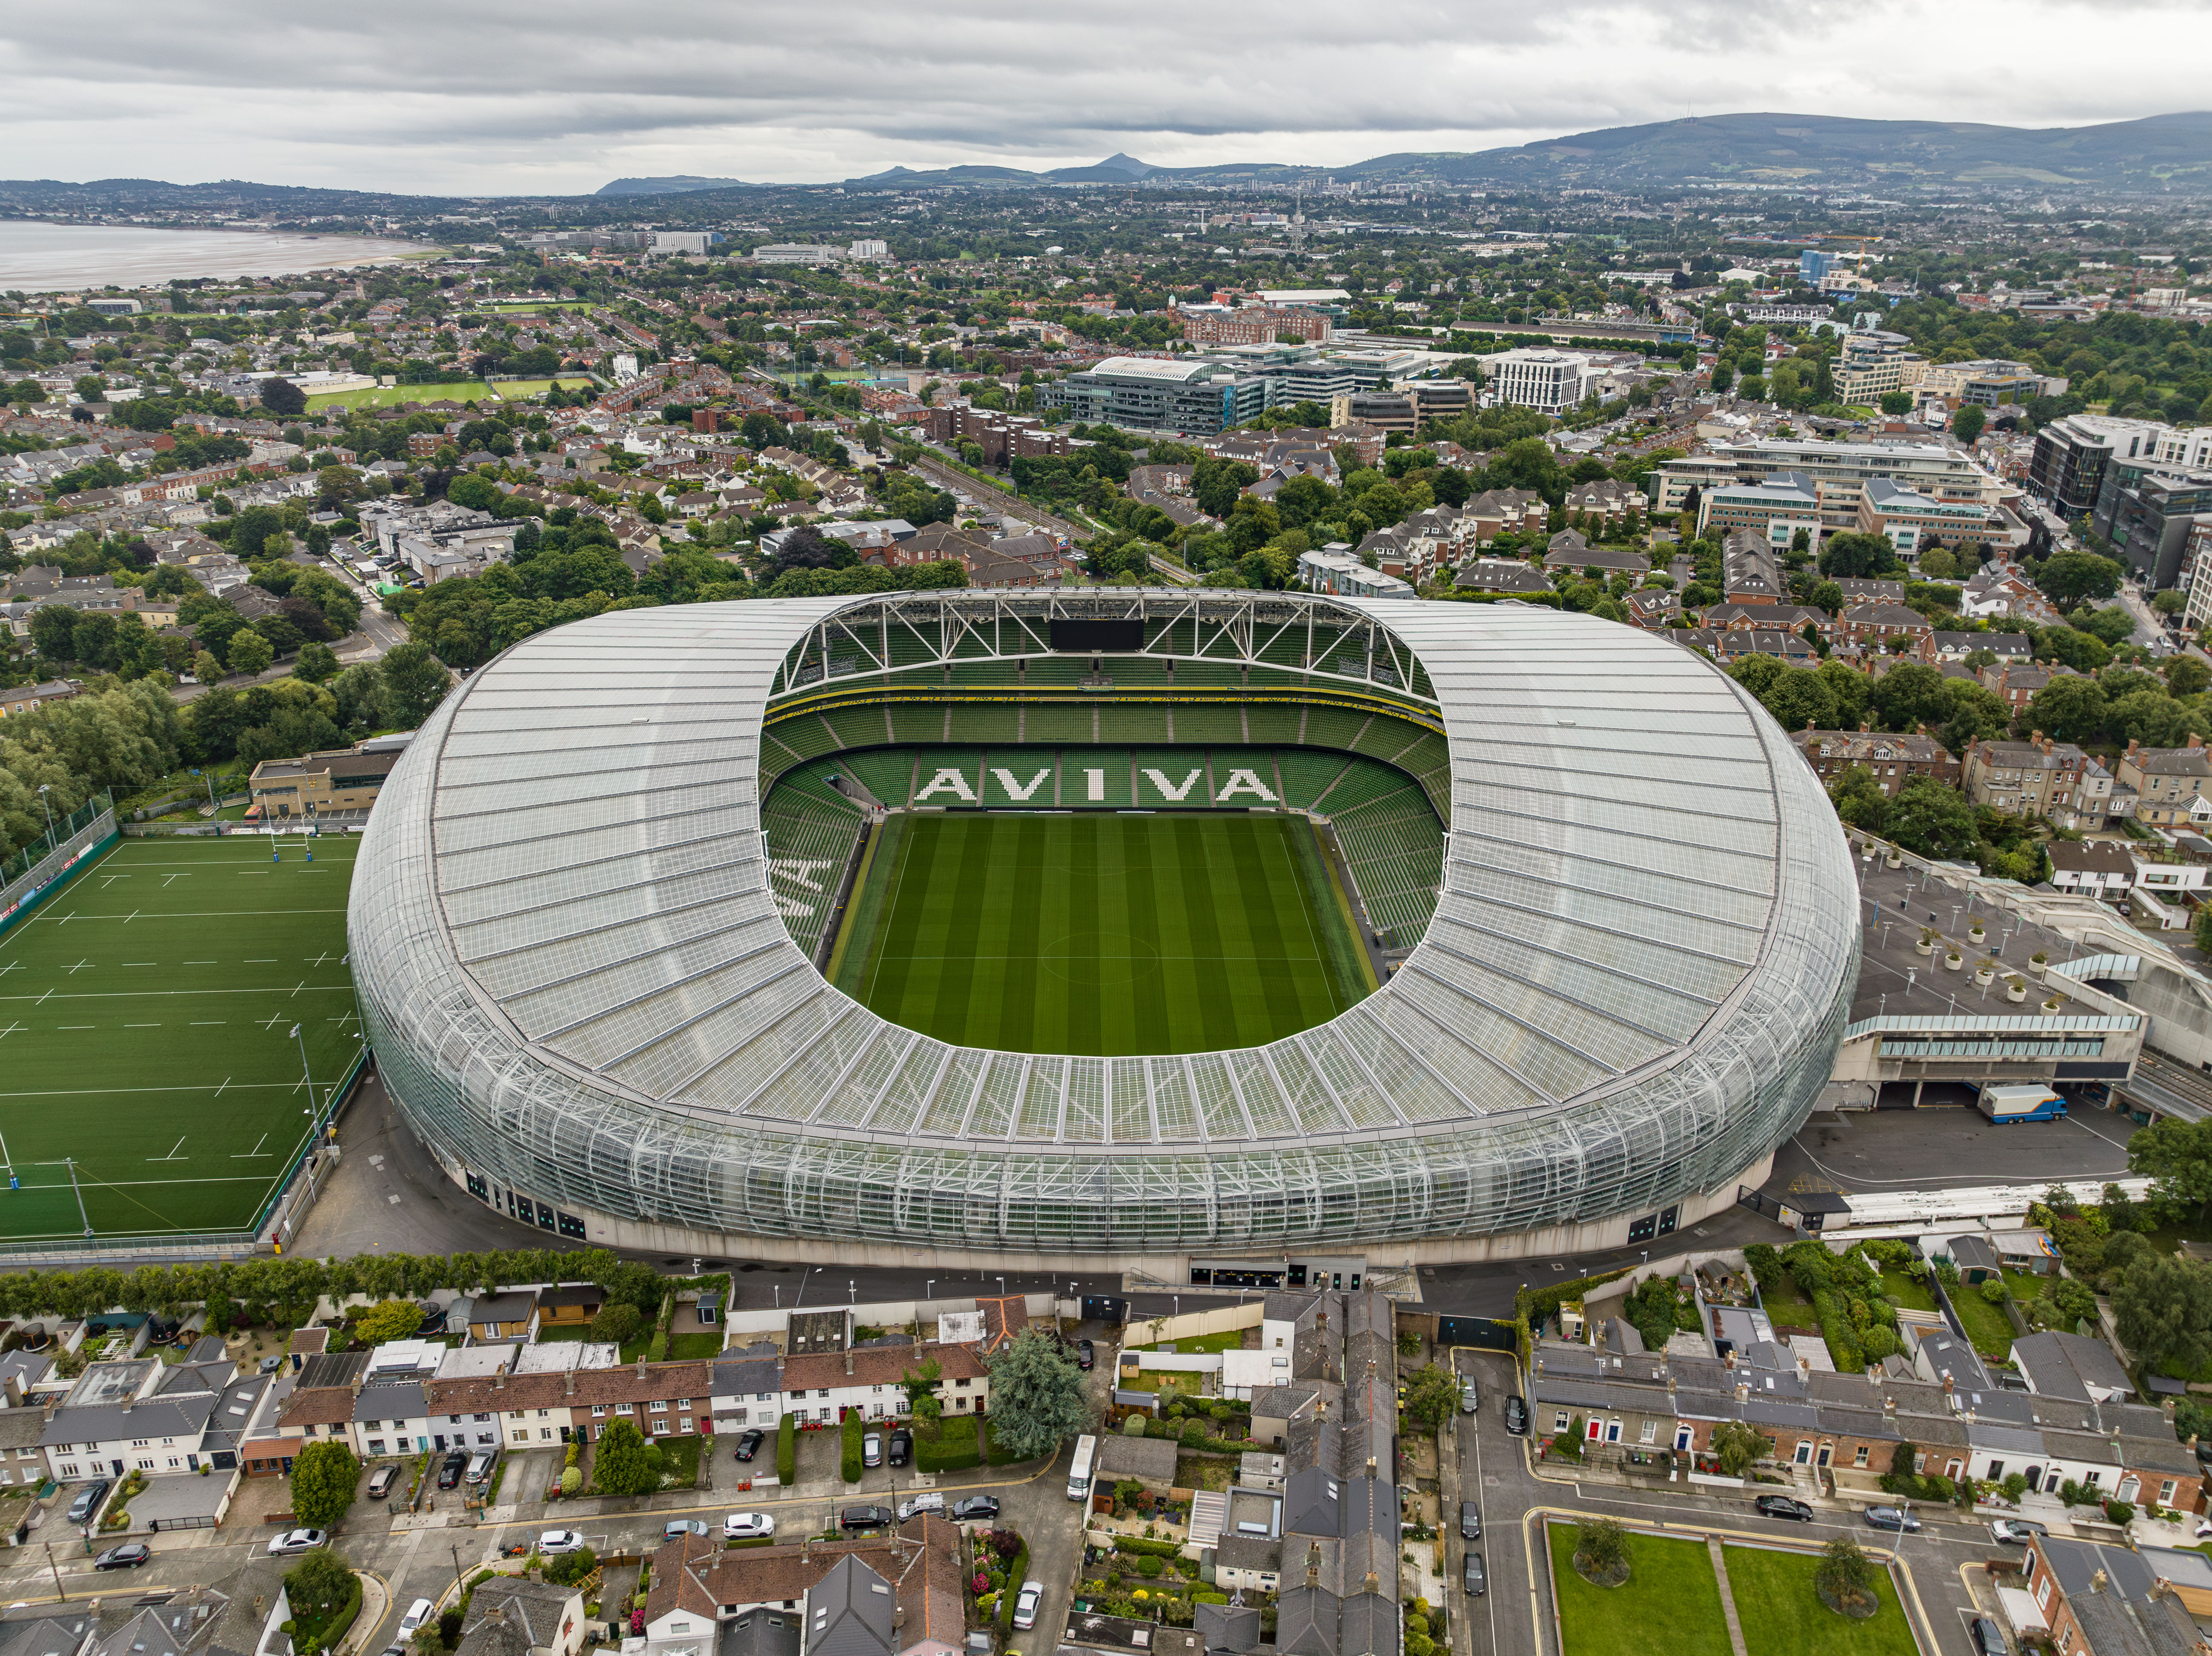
(576, 980)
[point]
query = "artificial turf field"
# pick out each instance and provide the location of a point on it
(1100, 933)
(146, 1013)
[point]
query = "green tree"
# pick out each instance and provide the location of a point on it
(1737, 1446)
(2162, 1307)
(1844, 1573)
(323, 1476)
(1966, 424)
(320, 1581)
(475, 491)
(207, 668)
(250, 652)
(387, 1321)
(1037, 1397)
(1932, 821)
(617, 1323)
(415, 682)
(280, 396)
(2070, 579)
(619, 1465)
(1859, 800)
(1430, 1395)
(1897, 402)
(2185, 676)
(2071, 708)
(316, 663)
(920, 1384)
(1849, 555)
(2176, 1156)
(1601, 1546)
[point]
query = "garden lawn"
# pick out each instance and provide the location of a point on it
(694, 1348)
(1786, 1308)
(952, 1447)
(1987, 1328)
(1672, 1601)
(680, 1460)
(1781, 1616)
(1899, 1287)
(1229, 1339)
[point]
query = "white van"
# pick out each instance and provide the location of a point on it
(928, 1501)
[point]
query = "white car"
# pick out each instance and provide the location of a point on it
(747, 1526)
(417, 1613)
(553, 1543)
(1025, 1607)
(294, 1541)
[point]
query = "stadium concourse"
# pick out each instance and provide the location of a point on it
(1583, 932)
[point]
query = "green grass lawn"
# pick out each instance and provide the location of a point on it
(1229, 1339)
(1100, 933)
(679, 1460)
(1787, 1307)
(1988, 1329)
(694, 1348)
(1913, 1296)
(146, 1018)
(1781, 1616)
(1671, 1602)
(445, 391)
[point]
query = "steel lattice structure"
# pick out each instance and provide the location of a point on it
(577, 983)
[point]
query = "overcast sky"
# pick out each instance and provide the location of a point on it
(483, 96)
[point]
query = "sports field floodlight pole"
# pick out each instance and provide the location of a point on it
(69, 1162)
(306, 1077)
(45, 788)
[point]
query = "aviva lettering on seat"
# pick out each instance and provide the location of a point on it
(1093, 784)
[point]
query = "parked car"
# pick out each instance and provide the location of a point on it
(380, 1482)
(294, 1541)
(128, 1556)
(871, 1449)
(864, 1518)
(1470, 1397)
(1086, 1355)
(417, 1613)
(554, 1543)
(1025, 1606)
(1988, 1641)
(747, 1526)
(749, 1443)
(975, 1508)
(1781, 1506)
(88, 1501)
(1470, 1521)
(1516, 1416)
(2015, 1532)
(677, 1528)
(900, 1445)
(480, 1465)
(450, 1469)
(1471, 1575)
(1892, 1518)
(928, 1501)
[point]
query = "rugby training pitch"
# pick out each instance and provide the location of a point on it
(146, 1019)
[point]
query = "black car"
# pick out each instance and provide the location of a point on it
(88, 1501)
(1085, 1355)
(1517, 1417)
(128, 1556)
(976, 1507)
(899, 1448)
(450, 1469)
(1471, 1575)
(1987, 1641)
(865, 1518)
(749, 1443)
(1781, 1506)
(1470, 1521)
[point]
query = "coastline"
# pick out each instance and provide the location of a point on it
(62, 256)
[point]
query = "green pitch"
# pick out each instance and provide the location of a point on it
(1100, 933)
(146, 1016)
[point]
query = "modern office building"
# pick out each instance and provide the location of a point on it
(1548, 381)
(1935, 470)
(1191, 396)
(578, 935)
(1873, 364)
(2068, 467)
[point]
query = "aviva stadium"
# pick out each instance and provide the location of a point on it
(1242, 933)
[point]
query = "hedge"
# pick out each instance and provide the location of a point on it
(951, 1448)
(787, 1450)
(852, 1467)
(1220, 1445)
(1835, 1327)
(1016, 1574)
(1134, 1543)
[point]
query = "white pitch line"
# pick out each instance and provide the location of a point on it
(172, 1156)
(251, 1154)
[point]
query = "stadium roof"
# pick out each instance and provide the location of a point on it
(575, 966)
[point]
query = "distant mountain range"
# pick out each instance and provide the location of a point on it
(2161, 152)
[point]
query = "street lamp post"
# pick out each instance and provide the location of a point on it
(46, 788)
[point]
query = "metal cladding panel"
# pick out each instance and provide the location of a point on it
(577, 977)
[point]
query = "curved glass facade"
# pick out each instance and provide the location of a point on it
(576, 980)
